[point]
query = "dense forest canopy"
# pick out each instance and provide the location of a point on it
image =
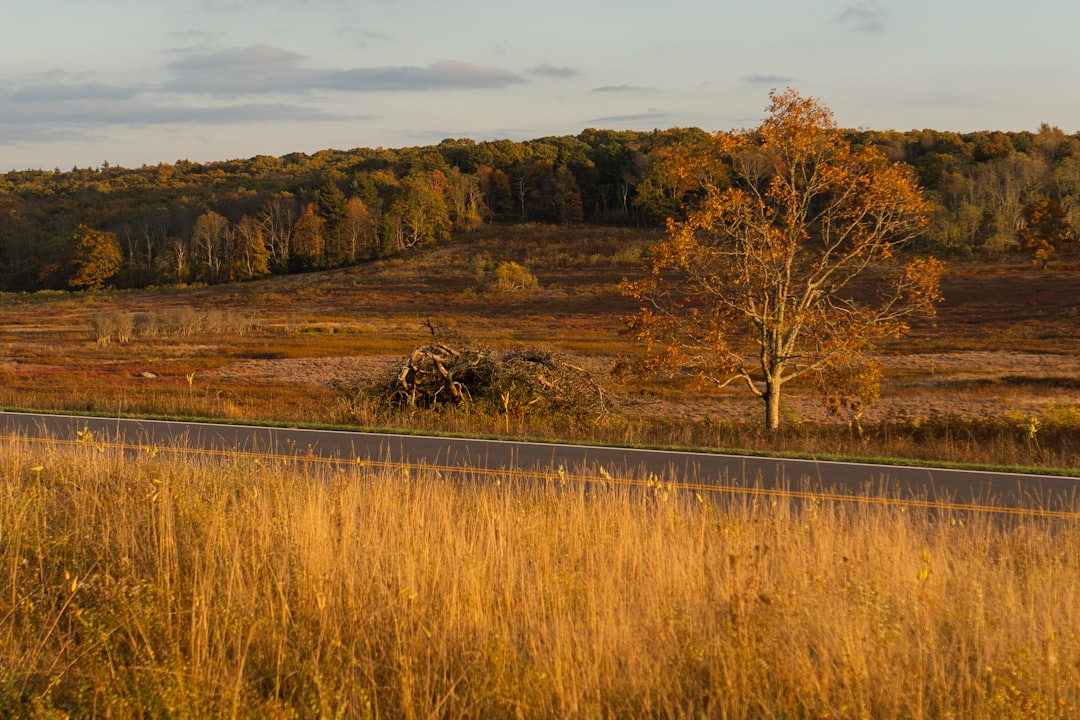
(991, 193)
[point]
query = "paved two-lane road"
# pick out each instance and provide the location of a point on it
(1049, 494)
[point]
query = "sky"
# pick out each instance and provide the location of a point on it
(134, 82)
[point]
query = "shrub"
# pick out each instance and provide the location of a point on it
(146, 323)
(512, 277)
(125, 326)
(104, 327)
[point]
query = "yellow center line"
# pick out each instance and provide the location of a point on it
(559, 474)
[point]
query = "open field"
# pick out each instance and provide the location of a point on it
(164, 588)
(147, 586)
(996, 379)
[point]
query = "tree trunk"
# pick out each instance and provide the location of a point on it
(772, 406)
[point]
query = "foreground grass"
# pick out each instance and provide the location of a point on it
(163, 588)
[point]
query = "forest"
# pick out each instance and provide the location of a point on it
(992, 193)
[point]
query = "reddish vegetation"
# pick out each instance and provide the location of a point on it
(1006, 342)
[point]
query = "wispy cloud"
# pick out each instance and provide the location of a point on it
(546, 70)
(363, 38)
(863, 17)
(262, 69)
(771, 80)
(66, 92)
(634, 118)
(617, 88)
(82, 113)
(89, 113)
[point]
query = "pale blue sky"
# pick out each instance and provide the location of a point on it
(146, 81)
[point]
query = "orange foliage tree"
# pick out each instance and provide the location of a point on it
(789, 269)
(1046, 228)
(96, 258)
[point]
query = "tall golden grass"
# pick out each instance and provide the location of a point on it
(152, 586)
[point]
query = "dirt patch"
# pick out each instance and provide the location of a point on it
(333, 372)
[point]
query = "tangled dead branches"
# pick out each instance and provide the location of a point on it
(513, 382)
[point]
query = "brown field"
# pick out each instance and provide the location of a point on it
(996, 379)
(143, 585)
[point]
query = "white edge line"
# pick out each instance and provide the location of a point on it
(608, 448)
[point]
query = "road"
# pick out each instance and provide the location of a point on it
(1005, 492)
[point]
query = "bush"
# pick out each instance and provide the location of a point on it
(512, 277)
(104, 327)
(184, 320)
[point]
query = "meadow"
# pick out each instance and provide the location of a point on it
(993, 380)
(163, 586)
(155, 585)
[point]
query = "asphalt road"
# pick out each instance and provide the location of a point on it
(1041, 494)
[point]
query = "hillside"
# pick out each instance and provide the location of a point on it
(993, 194)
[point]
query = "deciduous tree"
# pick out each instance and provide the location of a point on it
(95, 258)
(760, 284)
(1046, 228)
(356, 234)
(676, 174)
(417, 214)
(308, 242)
(277, 218)
(212, 239)
(251, 258)
(465, 200)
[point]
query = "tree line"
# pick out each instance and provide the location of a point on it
(990, 193)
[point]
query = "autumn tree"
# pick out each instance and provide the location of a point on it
(790, 269)
(251, 258)
(356, 234)
(212, 240)
(1045, 229)
(497, 193)
(277, 219)
(95, 258)
(553, 194)
(416, 215)
(678, 173)
(465, 201)
(308, 241)
(566, 197)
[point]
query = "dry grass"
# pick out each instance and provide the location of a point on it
(1006, 347)
(163, 588)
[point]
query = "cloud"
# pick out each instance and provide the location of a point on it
(262, 69)
(74, 118)
(863, 17)
(617, 88)
(546, 70)
(245, 113)
(447, 74)
(259, 57)
(632, 118)
(14, 134)
(362, 38)
(64, 92)
(771, 80)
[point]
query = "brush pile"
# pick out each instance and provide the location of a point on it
(437, 374)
